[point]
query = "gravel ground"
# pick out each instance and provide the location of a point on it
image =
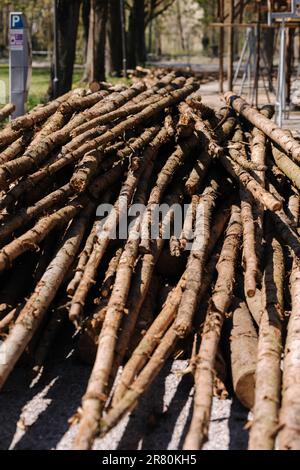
(35, 416)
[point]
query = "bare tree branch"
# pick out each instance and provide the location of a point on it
(156, 13)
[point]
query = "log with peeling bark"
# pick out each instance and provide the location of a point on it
(250, 184)
(219, 304)
(16, 148)
(126, 193)
(99, 380)
(243, 345)
(95, 188)
(182, 151)
(290, 145)
(289, 433)
(289, 168)
(197, 258)
(6, 111)
(268, 373)
(141, 283)
(249, 253)
(31, 315)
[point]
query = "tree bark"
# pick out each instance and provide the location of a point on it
(95, 64)
(136, 40)
(180, 27)
(115, 38)
(150, 23)
(68, 19)
(289, 63)
(268, 35)
(230, 45)
(86, 8)
(221, 48)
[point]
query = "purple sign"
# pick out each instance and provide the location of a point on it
(16, 41)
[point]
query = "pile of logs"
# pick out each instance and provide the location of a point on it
(225, 291)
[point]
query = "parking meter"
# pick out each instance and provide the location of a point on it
(19, 62)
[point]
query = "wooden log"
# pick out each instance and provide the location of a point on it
(277, 135)
(243, 345)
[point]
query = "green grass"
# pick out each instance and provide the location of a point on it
(40, 83)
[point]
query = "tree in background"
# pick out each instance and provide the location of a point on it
(97, 29)
(141, 14)
(85, 16)
(67, 27)
(114, 32)
(104, 31)
(136, 53)
(95, 61)
(210, 14)
(179, 31)
(154, 9)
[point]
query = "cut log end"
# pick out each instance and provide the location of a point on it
(244, 389)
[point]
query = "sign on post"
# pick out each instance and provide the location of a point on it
(283, 10)
(19, 62)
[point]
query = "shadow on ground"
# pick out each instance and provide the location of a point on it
(160, 422)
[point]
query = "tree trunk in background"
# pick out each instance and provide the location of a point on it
(136, 34)
(298, 45)
(115, 38)
(152, 3)
(67, 25)
(289, 62)
(230, 45)
(179, 21)
(221, 47)
(86, 8)
(158, 39)
(2, 33)
(131, 52)
(268, 38)
(95, 64)
(2, 41)
(140, 30)
(4, 20)
(257, 57)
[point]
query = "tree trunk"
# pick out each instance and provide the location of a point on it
(152, 3)
(230, 45)
(139, 6)
(95, 64)
(221, 47)
(2, 33)
(179, 21)
(268, 51)
(136, 34)
(86, 8)
(257, 57)
(131, 52)
(115, 38)
(67, 25)
(289, 63)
